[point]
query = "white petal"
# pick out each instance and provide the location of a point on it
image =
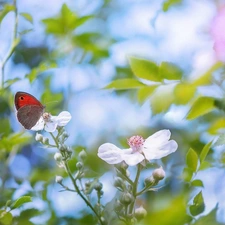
(160, 151)
(158, 138)
(130, 158)
(50, 126)
(110, 153)
(63, 118)
(39, 125)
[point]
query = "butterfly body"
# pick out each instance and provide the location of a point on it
(29, 109)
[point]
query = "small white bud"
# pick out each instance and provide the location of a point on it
(58, 179)
(39, 137)
(159, 174)
(58, 157)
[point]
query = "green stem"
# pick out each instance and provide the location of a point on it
(134, 190)
(79, 192)
(12, 47)
(75, 184)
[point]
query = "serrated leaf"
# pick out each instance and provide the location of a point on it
(192, 159)
(205, 152)
(20, 201)
(198, 205)
(27, 17)
(217, 125)
(145, 92)
(170, 71)
(124, 84)
(145, 69)
(184, 92)
(7, 8)
(197, 183)
(162, 99)
(206, 78)
(220, 141)
(5, 218)
(200, 107)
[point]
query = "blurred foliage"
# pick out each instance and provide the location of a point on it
(162, 85)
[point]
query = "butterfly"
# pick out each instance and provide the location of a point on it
(29, 109)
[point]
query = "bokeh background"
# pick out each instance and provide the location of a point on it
(67, 54)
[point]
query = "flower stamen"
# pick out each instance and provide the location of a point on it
(136, 143)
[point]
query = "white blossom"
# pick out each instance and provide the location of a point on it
(50, 123)
(156, 146)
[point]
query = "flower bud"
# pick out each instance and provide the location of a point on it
(119, 183)
(39, 137)
(79, 165)
(45, 140)
(65, 135)
(82, 155)
(58, 179)
(126, 198)
(62, 148)
(88, 184)
(158, 174)
(150, 181)
(98, 186)
(58, 157)
(118, 206)
(140, 213)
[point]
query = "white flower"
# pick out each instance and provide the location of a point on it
(50, 123)
(154, 147)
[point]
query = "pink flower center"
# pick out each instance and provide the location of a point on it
(136, 143)
(47, 117)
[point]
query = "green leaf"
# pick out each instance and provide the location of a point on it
(200, 107)
(27, 17)
(205, 165)
(192, 160)
(40, 69)
(170, 71)
(80, 21)
(197, 183)
(162, 99)
(10, 82)
(5, 218)
(169, 3)
(205, 152)
(206, 79)
(20, 201)
(209, 219)
(124, 84)
(8, 143)
(220, 141)
(217, 125)
(184, 92)
(145, 92)
(145, 69)
(187, 174)
(198, 205)
(7, 8)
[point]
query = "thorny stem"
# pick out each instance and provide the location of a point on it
(75, 184)
(12, 47)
